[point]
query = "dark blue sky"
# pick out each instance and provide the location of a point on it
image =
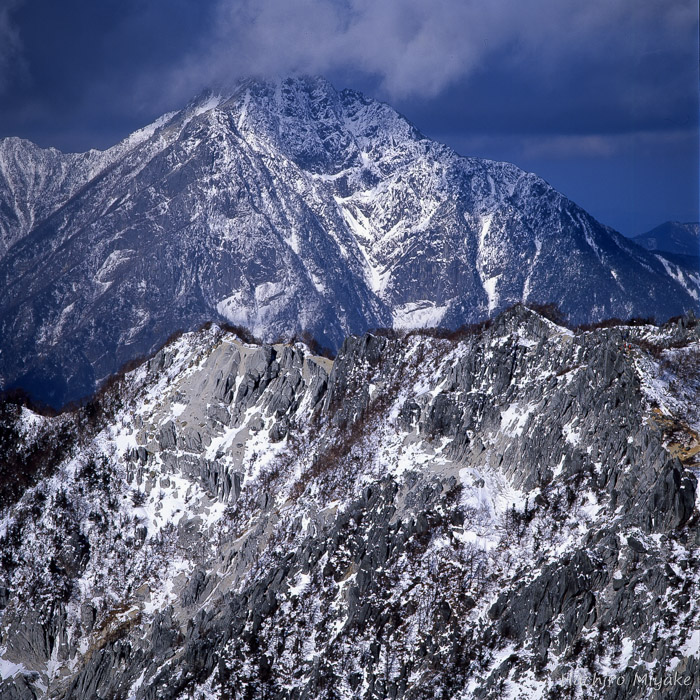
(600, 98)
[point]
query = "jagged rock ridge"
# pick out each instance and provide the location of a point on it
(286, 206)
(510, 512)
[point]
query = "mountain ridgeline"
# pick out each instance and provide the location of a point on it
(286, 206)
(672, 237)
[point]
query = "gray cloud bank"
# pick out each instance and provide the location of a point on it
(553, 66)
(415, 48)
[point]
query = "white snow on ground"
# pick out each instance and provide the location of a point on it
(572, 435)
(677, 273)
(691, 647)
(581, 222)
(30, 420)
(8, 669)
(255, 311)
(244, 111)
(419, 314)
(514, 418)
(146, 132)
(491, 293)
(485, 258)
(177, 408)
(210, 103)
(165, 594)
(533, 263)
(112, 262)
(665, 390)
(376, 276)
(301, 585)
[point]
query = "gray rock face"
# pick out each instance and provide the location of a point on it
(509, 511)
(285, 207)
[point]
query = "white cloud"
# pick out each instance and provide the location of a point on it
(12, 65)
(419, 48)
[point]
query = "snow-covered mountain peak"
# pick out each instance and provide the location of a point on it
(288, 206)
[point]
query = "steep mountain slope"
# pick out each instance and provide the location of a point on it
(35, 182)
(288, 206)
(672, 237)
(677, 247)
(508, 513)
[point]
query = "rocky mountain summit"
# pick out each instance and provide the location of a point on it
(509, 511)
(284, 207)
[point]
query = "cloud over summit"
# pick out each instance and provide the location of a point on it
(536, 81)
(419, 49)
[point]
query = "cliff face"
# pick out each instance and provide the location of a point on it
(510, 512)
(286, 206)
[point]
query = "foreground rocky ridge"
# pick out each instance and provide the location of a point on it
(287, 206)
(511, 512)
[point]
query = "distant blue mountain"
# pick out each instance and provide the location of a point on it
(672, 237)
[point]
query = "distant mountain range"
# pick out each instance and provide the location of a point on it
(672, 237)
(287, 206)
